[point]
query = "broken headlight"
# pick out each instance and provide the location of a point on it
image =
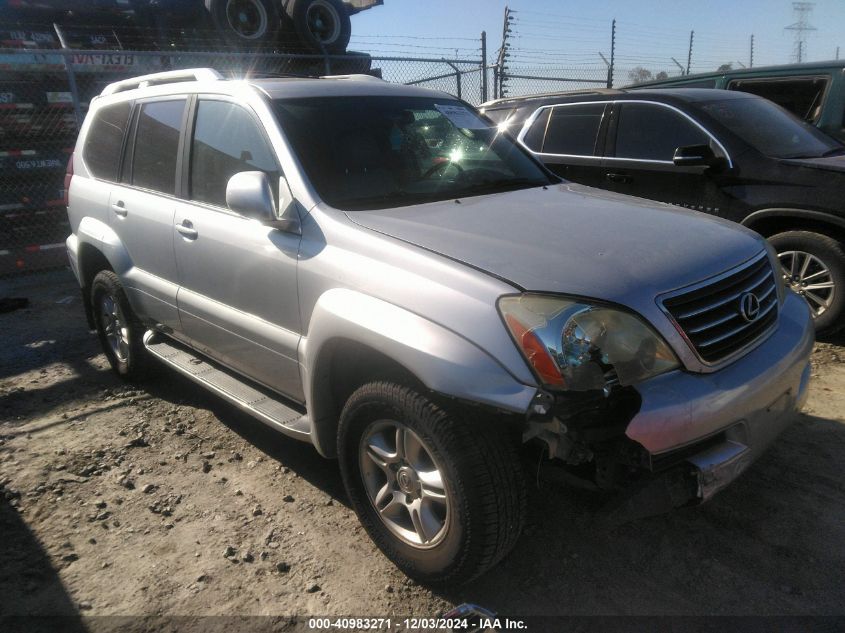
(580, 346)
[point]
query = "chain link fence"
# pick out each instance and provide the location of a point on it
(44, 95)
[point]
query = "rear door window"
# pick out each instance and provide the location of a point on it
(104, 141)
(157, 145)
(573, 129)
(533, 138)
(653, 132)
(227, 140)
(800, 95)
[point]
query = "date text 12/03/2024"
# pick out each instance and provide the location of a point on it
(470, 624)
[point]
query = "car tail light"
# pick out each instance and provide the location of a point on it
(68, 178)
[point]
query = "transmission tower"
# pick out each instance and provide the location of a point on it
(801, 27)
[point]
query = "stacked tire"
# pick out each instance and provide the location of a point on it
(313, 26)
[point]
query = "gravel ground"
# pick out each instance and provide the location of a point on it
(163, 500)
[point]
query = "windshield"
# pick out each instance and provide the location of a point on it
(379, 152)
(770, 129)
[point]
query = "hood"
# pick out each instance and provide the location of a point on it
(574, 240)
(829, 163)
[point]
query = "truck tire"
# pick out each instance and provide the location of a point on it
(320, 25)
(246, 23)
(441, 495)
(814, 266)
(119, 330)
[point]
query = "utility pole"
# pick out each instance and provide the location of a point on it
(751, 58)
(689, 53)
(501, 68)
(678, 64)
(612, 53)
(837, 52)
(801, 27)
(483, 66)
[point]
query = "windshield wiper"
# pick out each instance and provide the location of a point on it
(389, 198)
(492, 186)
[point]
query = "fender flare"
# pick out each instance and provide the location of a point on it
(101, 236)
(439, 358)
(786, 212)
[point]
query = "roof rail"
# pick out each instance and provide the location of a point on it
(169, 77)
(355, 77)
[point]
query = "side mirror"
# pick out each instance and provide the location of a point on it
(695, 156)
(249, 193)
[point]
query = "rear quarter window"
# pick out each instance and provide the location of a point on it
(803, 96)
(104, 142)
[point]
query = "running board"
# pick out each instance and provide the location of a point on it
(260, 404)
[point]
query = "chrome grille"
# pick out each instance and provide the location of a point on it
(711, 315)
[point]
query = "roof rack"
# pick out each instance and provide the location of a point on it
(355, 77)
(169, 77)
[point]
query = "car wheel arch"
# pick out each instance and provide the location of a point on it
(336, 374)
(771, 221)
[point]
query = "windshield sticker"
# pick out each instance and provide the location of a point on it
(462, 117)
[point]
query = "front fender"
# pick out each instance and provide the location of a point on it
(441, 359)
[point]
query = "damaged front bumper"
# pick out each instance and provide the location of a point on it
(719, 423)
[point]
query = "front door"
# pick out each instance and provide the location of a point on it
(238, 296)
(644, 137)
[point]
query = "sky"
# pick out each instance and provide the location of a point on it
(563, 35)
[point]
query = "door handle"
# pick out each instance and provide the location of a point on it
(620, 178)
(119, 209)
(186, 229)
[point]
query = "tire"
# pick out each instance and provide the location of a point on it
(125, 350)
(246, 23)
(320, 25)
(464, 473)
(824, 254)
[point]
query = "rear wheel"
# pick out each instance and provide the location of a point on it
(813, 265)
(441, 495)
(119, 330)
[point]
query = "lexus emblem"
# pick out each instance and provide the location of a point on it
(749, 306)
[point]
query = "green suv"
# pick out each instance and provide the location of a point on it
(814, 92)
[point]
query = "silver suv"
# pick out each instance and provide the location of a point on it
(376, 270)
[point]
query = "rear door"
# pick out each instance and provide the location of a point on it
(142, 205)
(568, 138)
(642, 140)
(238, 296)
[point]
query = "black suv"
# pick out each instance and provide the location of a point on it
(730, 154)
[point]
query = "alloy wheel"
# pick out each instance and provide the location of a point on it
(113, 322)
(808, 275)
(404, 483)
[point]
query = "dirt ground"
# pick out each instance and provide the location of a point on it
(120, 500)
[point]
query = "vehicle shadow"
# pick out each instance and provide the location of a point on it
(762, 546)
(300, 457)
(33, 597)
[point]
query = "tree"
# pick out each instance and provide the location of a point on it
(639, 74)
(662, 75)
(725, 67)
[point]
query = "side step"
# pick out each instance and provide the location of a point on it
(259, 403)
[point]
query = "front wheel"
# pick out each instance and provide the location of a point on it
(441, 495)
(813, 265)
